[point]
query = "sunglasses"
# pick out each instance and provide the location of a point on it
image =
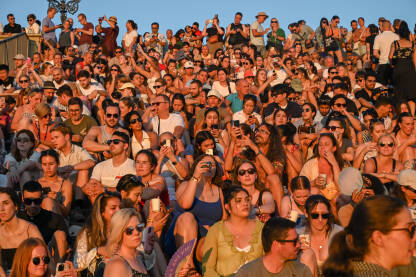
(307, 110)
(273, 21)
(118, 52)
(293, 99)
(243, 172)
(114, 115)
(157, 103)
(411, 189)
(135, 120)
(390, 144)
(333, 72)
(245, 63)
(24, 81)
(114, 69)
(294, 241)
(411, 230)
(36, 260)
(115, 141)
(22, 140)
(156, 87)
(316, 216)
(339, 105)
(333, 128)
(30, 201)
(139, 227)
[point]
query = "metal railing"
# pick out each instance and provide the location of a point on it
(21, 43)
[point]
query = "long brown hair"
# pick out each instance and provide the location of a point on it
(373, 214)
(23, 257)
(337, 154)
(16, 152)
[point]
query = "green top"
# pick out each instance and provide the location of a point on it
(221, 257)
(273, 39)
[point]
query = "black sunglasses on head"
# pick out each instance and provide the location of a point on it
(138, 227)
(36, 260)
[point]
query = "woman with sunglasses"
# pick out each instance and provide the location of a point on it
(13, 230)
(57, 190)
(91, 239)
(320, 227)
(379, 237)
(293, 204)
(384, 166)
(124, 238)
(262, 205)
(111, 80)
(140, 139)
(339, 127)
(43, 125)
(323, 169)
(22, 161)
(235, 241)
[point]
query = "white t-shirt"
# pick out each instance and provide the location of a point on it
(109, 175)
(34, 29)
(161, 126)
(383, 42)
(242, 117)
(256, 40)
(93, 86)
(130, 37)
(224, 91)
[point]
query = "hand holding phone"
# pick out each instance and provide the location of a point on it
(148, 239)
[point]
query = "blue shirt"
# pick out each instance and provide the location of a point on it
(236, 103)
(48, 23)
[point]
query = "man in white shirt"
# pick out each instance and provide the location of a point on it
(257, 32)
(382, 44)
(155, 39)
(107, 173)
(163, 121)
(33, 27)
(90, 89)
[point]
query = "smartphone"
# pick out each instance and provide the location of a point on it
(210, 152)
(214, 126)
(28, 60)
(46, 190)
(61, 267)
(236, 123)
(168, 143)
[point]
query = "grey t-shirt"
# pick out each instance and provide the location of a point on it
(256, 268)
(256, 40)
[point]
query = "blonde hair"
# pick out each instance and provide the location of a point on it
(42, 109)
(23, 257)
(118, 224)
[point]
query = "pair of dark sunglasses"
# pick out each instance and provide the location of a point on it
(139, 227)
(36, 260)
(243, 172)
(316, 216)
(294, 241)
(112, 115)
(135, 120)
(30, 201)
(115, 141)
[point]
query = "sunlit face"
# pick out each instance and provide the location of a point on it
(324, 109)
(319, 224)
(177, 105)
(84, 82)
(40, 269)
(300, 196)
(134, 240)
(75, 112)
(211, 119)
(262, 135)
(7, 207)
(378, 130)
(307, 113)
(49, 166)
(280, 118)
(336, 128)
(207, 144)
(325, 144)
(250, 174)
(111, 207)
(111, 116)
(386, 146)
(212, 101)
(35, 99)
(135, 123)
(222, 77)
(239, 206)
(248, 107)
(124, 109)
(407, 125)
(135, 196)
(367, 120)
(144, 166)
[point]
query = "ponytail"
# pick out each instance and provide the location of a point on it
(340, 256)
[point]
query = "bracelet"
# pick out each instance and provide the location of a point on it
(195, 179)
(258, 152)
(149, 220)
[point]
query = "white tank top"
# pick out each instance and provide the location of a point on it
(136, 146)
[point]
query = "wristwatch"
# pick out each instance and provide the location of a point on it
(195, 179)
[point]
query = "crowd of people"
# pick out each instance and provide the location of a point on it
(277, 154)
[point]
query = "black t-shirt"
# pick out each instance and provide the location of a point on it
(213, 31)
(363, 94)
(12, 30)
(47, 223)
(293, 110)
(8, 83)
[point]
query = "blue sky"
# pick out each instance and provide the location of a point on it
(178, 13)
